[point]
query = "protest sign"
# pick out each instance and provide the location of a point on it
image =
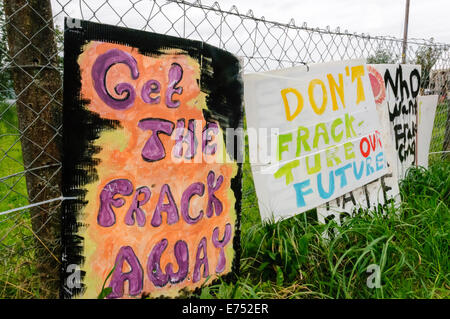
(327, 135)
(150, 200)
(427, 110)
(377, 194)
(402, 84)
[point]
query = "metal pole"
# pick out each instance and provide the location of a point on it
(405, 32)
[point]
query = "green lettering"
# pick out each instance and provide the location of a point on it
(317, 134)
(282, 147)
(302, 139)
(349, 154)
(286, 170)
(330, 154)
(349, 126)
(317, 166)
(336, 138)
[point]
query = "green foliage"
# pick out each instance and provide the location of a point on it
(59, 38)
(382, 56)
(6, 90)
(427, 56)
(18, 277)
(106, 291)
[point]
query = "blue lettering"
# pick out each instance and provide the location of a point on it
(300, 193)
(322, 192)
(369, 168)
(379, 160)
(341, 171)
(361, 170)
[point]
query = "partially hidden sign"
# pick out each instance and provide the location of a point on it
(327, 135)
(153, 193)
(402, 87)
(426, 113)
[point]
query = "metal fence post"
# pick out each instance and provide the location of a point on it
(405, 33)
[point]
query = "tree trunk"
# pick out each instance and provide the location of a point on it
(446, 145)
(38, 88)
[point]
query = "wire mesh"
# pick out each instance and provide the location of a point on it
(29, 168)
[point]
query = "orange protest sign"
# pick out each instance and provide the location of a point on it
(155, 191)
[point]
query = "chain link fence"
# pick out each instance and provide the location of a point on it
(31, 59)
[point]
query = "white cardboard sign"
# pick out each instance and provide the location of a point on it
(427, 110)
(329, 137)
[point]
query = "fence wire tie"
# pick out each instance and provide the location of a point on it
(61, 198)
(32, 66)
(305, 64)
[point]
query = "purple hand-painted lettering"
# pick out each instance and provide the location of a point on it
(149, 88)
(206, 138)
(170, 208)
(135, 207)
(214, 204)
(99, 71)
(154, 270)
(175, 75)
(106, 216)
(189, 139)
(221, 244)
(153, 149)
(135, 276)
(182, 256)
(201, 261)
(193, 189)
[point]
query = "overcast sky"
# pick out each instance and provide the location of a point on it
(427, 18)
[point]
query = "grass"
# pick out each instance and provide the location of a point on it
(18, 277)
(290, 259)
(438, 134)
